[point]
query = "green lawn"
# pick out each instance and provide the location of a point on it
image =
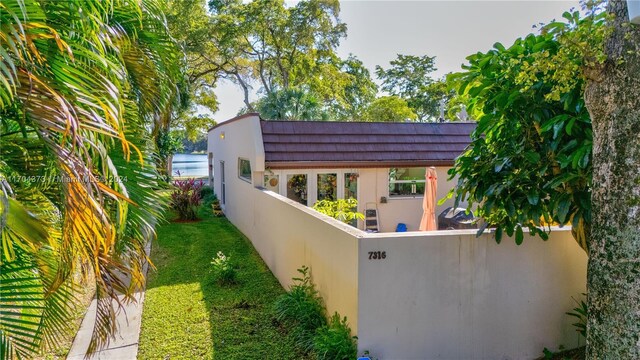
(187, 315)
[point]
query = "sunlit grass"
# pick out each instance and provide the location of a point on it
(188, 315)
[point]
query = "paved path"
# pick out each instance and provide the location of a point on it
(125, 344)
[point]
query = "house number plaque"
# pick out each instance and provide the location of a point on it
(377, 255)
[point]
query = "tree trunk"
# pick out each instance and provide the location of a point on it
(613, 277)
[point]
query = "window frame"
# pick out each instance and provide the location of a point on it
(223, 185)
(406, 196)
(249, 179)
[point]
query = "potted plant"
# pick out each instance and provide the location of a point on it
(217, 209)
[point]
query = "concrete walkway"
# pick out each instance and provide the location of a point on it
(125, 344)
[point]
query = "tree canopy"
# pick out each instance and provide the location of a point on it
(409, 77)
(389, 109)
(529, 163)
(278, 47)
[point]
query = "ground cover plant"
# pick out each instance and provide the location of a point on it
(188, 314)
(334, 341)
(224, 269)
(303, 309)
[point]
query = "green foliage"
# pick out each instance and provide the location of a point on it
(580, 54)
(223, 269)
(409, 78)
(344, 210)
(169, 143)
(359, 92)
(82, 84)
(199, 144)
(580, 313)
(207, 194)
(389, 109)
(194, 126)
(290, 104)
(185, 198)
(529, 163)
(334, 341)
(279, 46)
(302, 307)
(189, 23)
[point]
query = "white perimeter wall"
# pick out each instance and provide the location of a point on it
(288, 235)
(436, 295)
(455, 296)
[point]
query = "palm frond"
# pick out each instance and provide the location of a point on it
(81, 84)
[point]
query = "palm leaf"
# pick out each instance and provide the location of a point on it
(81, 84)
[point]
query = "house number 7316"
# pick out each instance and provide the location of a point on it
(377, 255)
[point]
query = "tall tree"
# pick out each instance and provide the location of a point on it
(613, 278)
(279, 47)
(192, 27)
(359, 92)
(82, 82)
(291, 104)
(389, 109)
(409, 77)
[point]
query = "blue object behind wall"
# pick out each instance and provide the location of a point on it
(401, 227)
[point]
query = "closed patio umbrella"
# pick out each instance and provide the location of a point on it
(428, 221)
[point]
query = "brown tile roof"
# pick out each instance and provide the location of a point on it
(321, 144)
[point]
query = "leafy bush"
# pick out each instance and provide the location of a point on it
(341, 209)
(206, 191)
(207, 195)
(223, 269)
(334, 341)
(302, 307)
(580, 313)
(185, 198)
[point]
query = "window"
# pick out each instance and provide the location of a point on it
(406, 181)
(222, 183)
(297, 188)
(244, 169)
(211, 169)
(327, 186)
(351, 185)
(351, 191)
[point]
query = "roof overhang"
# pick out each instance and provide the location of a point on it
(290, 165)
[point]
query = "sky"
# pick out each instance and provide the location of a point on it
(449, 30)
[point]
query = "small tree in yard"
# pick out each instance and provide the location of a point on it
(600, 56)
(186, 198)
(529, 163)
(342, 209)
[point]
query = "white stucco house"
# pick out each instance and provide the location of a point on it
(380, 164)
(406, 295)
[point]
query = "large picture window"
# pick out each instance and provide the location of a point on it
(297, 188)
(327, 187)
(244, 169)
(406, 181)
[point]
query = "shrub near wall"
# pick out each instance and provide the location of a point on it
(185, 198)
(303, 308)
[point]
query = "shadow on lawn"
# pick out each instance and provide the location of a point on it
(187, 314)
